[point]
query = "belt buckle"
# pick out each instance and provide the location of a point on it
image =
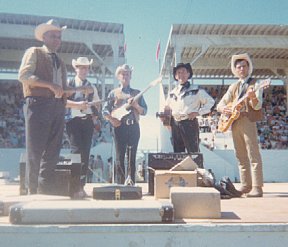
(129, 121)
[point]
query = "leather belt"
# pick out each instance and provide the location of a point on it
(180, 118)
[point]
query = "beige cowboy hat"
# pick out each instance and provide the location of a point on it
(124, 67)
(84, 61)
(51, 25)
(243, 56)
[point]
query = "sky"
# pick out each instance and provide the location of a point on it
(148, 21)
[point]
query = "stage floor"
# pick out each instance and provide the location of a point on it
(272, 208)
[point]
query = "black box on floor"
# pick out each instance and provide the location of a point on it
(165, 161)
(67, 174)
(117, 192)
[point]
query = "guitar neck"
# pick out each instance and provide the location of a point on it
(262, 84)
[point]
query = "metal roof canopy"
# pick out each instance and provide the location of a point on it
(102, 42)
(209, 48)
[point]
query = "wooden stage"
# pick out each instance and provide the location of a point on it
(243, 222)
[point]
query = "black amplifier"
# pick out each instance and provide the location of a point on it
(67, 174)
(165, 161)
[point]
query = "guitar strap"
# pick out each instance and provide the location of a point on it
(244, 88)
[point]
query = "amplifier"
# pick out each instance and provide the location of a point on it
(67, 174)
(165, 161)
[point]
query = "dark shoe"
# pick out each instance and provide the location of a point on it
(245, 189)
(256, 192)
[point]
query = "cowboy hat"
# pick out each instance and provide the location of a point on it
(243, 56)
(84, 61)
(50, 25)
(187, 66)
(124, 67)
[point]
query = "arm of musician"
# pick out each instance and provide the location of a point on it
(26, 74)
(255, 98)
(206, 102)
(226, 99)
(114, 121)
(96, 97)
(79, 105)
(140, 106)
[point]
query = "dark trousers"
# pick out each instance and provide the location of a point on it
(80, 132)
(185, 134)
(44, 121)
(126, 139)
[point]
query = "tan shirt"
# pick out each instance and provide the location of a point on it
(32, 70)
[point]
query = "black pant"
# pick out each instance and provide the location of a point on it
(80, 132)
(185, 134)
(126, 139)
(44, 121)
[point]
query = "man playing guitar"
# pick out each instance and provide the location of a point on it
(126, 127)
(244, 130)
(80, 126)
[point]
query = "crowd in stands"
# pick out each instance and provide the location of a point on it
(273, 130)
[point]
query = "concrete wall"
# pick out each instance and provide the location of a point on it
(184, 235)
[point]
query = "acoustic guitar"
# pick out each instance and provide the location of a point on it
(226, 120)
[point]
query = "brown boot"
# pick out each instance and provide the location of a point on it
(256, 192)
(245, 189)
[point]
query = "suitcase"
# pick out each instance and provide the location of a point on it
(117, 192)
(67, 173)
(92, 212)
(8, 201)
(165, 161)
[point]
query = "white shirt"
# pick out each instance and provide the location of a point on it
(191, 99)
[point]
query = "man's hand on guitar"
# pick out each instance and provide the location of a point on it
(227, 110)
(85, 90)
(57, 90)
(115, 122)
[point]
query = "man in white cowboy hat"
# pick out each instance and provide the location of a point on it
(186, 101)
(79, 125)
(244, 130)
(43, 75)
(126, 129)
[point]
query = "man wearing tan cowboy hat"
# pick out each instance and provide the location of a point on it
(79, 125)
(126, 129)
(43, 75)
(186, 101)
(244, 130)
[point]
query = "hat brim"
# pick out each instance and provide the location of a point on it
(75, 63)
(118, 70)
(44, 27)
(187, 66)
(244, 56)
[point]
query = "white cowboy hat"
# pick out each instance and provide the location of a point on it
(50, 25)
(243, 56)
(84, 61)
(124, 67)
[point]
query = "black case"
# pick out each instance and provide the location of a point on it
(117, 192)
(165, 161)
(67, 174)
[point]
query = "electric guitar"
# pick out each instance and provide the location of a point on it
(226, 120)
(125, 109)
